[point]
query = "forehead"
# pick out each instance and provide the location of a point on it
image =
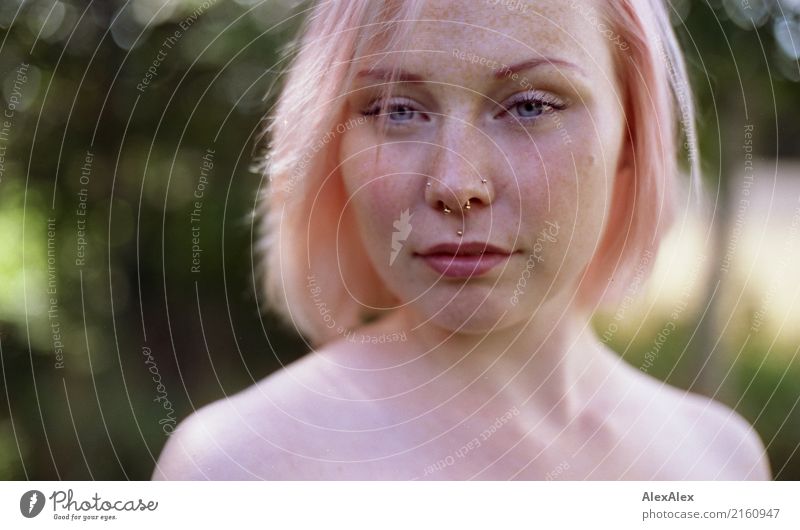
(515, 30)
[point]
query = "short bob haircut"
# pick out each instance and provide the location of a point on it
(317, 274)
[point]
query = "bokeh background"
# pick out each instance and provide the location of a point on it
(128, 136)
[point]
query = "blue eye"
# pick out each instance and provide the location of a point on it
(401, 113)
(396, 112)
(529, 106)
(529, 109)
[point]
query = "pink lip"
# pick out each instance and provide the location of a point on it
(463, 260)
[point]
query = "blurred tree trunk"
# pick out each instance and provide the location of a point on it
(716, 351)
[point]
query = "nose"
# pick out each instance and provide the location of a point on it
(459, 179)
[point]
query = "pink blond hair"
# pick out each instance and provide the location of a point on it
(317, 274)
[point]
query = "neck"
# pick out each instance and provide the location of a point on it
(552, 363)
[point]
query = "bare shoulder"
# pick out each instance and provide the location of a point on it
(202, 447)
(728, 439)
(711, 441)
(245, 436)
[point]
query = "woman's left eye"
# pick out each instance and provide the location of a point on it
(529, 106)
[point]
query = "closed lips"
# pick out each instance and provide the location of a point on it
(466, 260)
(463, 249)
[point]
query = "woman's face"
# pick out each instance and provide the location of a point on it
(520, 94)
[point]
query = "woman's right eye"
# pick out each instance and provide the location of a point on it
(395, 112)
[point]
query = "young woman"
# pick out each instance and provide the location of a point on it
(454, 188)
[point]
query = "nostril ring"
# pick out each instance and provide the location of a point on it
(446, 210)
(467, 206)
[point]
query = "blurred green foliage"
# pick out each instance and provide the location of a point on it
(135, 314)
(97, 416)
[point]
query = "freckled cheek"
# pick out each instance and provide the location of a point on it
(376, 196)
(364, 158)
(356, 159)
(589, 197)
(596, 168)
(540, 179)
(553, 188)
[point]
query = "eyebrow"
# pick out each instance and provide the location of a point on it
(506, 71)
(402, 76)
(385, 75)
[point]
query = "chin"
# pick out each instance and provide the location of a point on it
(470, 312)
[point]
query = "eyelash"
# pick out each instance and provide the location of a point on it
(547, 103)
(377, 108)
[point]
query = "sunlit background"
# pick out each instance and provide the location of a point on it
(116, 115)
